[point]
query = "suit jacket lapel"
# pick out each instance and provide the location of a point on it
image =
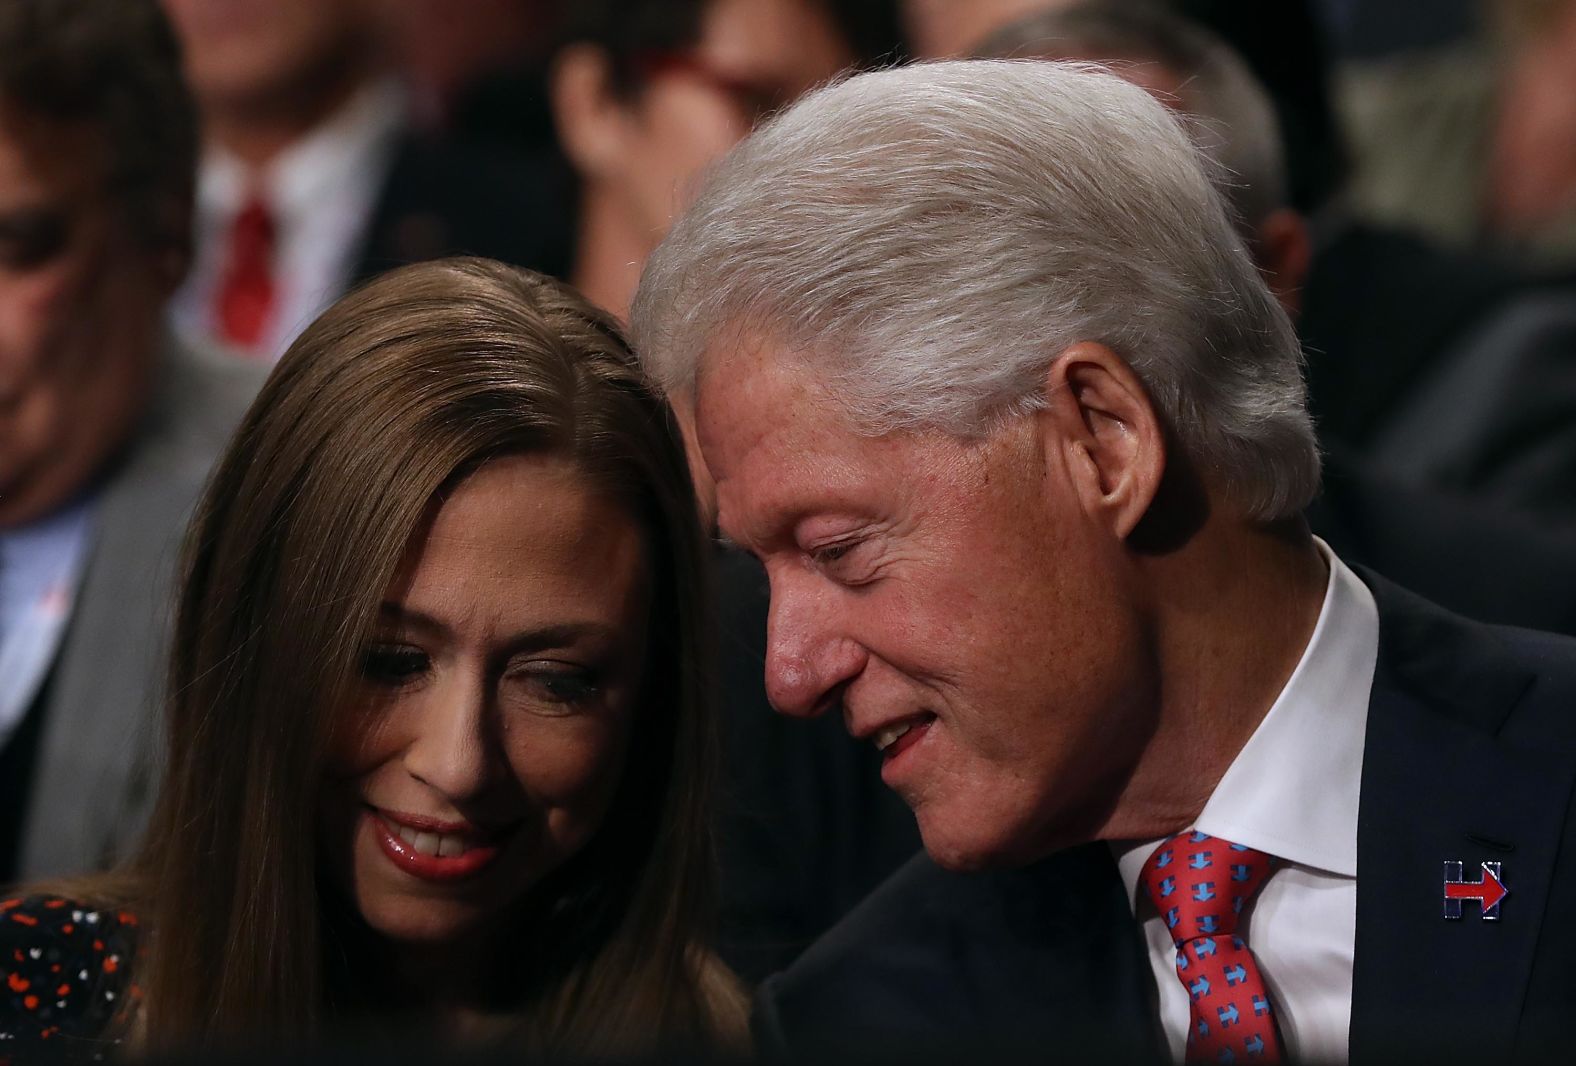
(1437, 787)
(94, 778)
(104, 704)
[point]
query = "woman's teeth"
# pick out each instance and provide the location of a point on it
(441, 845)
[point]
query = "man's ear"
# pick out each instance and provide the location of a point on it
(1111, 441)
(591, 120)
(1284, 250)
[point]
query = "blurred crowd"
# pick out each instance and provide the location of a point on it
(1418, 218)
(1404, 177)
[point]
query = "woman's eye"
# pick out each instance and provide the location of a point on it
(393, 664)
(561, 687)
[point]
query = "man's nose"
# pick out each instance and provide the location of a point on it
(452, 750)
(808, 661)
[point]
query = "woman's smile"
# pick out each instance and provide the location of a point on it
(434, 850)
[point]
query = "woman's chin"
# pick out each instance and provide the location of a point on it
(424, 923)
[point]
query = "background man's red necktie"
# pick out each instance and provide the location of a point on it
(246, 288)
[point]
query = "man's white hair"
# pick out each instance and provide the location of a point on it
(930, 238)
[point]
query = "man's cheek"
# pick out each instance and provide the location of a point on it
(32, 315)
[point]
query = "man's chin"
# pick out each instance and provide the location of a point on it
(963, 846)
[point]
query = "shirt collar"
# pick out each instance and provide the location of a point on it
(340, 150)
(1293, 789)
(63, 523)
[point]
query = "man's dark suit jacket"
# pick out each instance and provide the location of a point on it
(1470, 755)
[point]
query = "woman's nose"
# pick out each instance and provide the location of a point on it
(451, 748)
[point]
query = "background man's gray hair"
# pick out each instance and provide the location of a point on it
(1230, 115)
(930, 238)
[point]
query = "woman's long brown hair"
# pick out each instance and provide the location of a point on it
(395, 392)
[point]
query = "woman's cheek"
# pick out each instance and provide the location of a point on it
(570, 768)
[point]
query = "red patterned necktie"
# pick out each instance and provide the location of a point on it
(246, 288)
(1200, 884)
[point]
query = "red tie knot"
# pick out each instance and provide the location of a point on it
(1200, 884)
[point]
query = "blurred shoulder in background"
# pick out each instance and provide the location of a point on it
(1464, 128)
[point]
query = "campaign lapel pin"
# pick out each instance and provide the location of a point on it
(1489, 890)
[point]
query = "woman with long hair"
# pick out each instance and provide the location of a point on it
(438, 739)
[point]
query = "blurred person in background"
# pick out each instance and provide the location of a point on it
(446, 49)
(1493, 567)
(313, 177)
(941, 29)
(1282, 43)
(646, 94)
(1441, 369)
(440, 745)
(1472, 140)
(108, 424)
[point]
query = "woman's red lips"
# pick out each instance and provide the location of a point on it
(433, 850)
(423, 822)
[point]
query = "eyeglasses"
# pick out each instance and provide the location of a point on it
(756, 99)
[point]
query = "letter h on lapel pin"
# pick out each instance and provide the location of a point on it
(1488, 890)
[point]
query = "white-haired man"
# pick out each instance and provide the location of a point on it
(987, 381)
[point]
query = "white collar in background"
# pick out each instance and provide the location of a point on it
(342, 150)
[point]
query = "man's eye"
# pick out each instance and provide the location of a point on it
(831, 553)
(32, 239)
(847, 562)
(393, 664)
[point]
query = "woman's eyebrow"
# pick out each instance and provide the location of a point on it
(566, 634)
(557, 634)
(389, 611)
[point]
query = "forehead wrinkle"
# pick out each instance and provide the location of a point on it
(765, 421)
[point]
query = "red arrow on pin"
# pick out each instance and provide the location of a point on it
(1488, 892)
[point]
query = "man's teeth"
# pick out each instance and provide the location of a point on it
(888, 736)
(426, 843)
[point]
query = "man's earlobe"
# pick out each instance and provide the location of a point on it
(1113, 440)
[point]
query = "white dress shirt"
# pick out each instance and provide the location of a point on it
(40, 569)
(321, 192)
(1292, 792)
